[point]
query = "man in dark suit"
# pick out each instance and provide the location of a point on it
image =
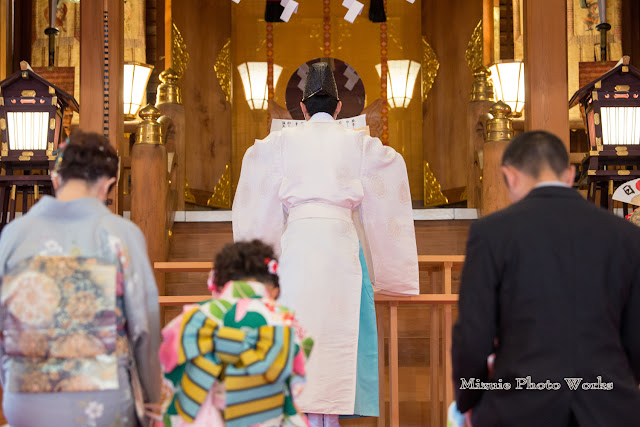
(551, 286)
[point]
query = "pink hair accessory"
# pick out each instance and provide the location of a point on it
(272, 266)
(211, 281)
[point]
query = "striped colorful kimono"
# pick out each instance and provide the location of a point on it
(241, 346)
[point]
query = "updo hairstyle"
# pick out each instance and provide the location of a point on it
(242, 260)
(87, 156)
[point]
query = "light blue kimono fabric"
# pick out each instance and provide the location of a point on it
(367, 404)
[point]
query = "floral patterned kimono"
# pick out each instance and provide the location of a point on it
(241, 355)
(77, 293)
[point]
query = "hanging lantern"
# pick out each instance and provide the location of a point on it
(135, 79)
(508, 84)
(31, 111)
(401, 79)
(254, 81)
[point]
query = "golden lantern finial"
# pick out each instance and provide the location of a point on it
(168, 90)
(481, 89)
(149, 130)
(499, 128)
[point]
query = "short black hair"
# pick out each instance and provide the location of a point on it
(531, 152)
(242, 260)
(321, 104)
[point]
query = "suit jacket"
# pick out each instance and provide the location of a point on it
(552, 286)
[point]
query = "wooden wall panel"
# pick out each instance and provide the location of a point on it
(205, 26)
(444, 112)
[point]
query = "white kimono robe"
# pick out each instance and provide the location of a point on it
(297, 191)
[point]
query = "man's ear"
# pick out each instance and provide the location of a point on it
(569, 176)
(338, 108)
(510, 177)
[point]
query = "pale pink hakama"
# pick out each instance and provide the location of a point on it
(300, 190)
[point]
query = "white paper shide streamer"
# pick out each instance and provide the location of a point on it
(355, 9)
(290, 7)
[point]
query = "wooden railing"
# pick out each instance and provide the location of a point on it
(441, 324)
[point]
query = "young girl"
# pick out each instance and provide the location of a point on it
(237, 359)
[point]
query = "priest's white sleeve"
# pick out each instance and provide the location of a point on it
(257, 211)
(387, 217)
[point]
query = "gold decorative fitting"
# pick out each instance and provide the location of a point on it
(188, 194)
(432, 191)
(594, 95)
(499, 128)
(481, 89)
(221, 197)
(430, 66)
(36, 192)
(1, 101)
(149, 131)
(622, 88)
(28, 93)
(591, 172)
(596, 118)
(598, 84)
(52, 124)
(624, 172)
(54, 100)
(222, 68)
(168, 90)
(179, 54)
(610, 188)
(474, 52)
(625, 69)
(3, 124)
(5, 149)
(622, 151)
(13, 192)
(52, 91)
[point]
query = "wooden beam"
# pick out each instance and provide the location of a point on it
(91, 66)
(545, 59)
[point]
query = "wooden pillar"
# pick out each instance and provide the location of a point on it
(91, 66)
(630, 31)
(494, 190)
(545, 67)
(5, 31)
(495, 195)
(101, 72)
(476, 118)
(487, 32)
(149, 187)
(115, 19)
